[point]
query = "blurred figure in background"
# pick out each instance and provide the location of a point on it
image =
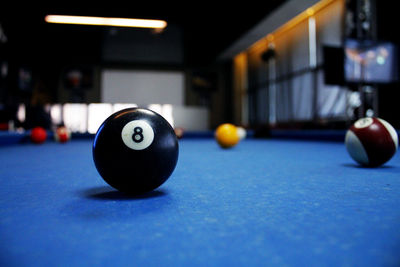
(36, 114)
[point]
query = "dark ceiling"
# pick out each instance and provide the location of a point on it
(208, 28)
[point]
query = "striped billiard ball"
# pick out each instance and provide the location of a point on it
(241, 132)
(371, 141)
(62, 134)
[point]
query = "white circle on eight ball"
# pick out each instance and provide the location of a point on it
(137, 135)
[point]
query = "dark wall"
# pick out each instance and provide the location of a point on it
(145, 46)
(389, 95)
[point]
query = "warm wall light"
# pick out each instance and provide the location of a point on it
(310, 11)
(103, 21)
(306, 14)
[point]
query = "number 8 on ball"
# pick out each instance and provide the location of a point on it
(137, 135)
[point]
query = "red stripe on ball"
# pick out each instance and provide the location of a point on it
(377, 142)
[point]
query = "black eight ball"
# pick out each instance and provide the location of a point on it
(135, 150)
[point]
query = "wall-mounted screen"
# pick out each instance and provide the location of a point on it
(370, 62)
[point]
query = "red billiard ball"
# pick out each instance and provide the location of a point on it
(371, 141)
(179, 131)
(62, 134)
(38, 135)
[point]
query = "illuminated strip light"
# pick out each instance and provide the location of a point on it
(312, 39)
(102, 21)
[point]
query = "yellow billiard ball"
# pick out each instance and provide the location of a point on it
(227, 135)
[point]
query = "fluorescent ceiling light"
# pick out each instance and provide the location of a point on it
(103, 21)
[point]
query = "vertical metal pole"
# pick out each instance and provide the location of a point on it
(312, 44)
(244, 92)
(272, 89)
(361, 109)
(375, 101)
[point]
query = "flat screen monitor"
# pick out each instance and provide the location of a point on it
(370, 62)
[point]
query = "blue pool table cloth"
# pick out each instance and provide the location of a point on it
(266, 202)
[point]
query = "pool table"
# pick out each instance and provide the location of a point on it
(278, 201)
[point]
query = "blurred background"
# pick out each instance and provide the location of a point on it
(294, 64)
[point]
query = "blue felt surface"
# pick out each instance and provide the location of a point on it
(263, 203)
